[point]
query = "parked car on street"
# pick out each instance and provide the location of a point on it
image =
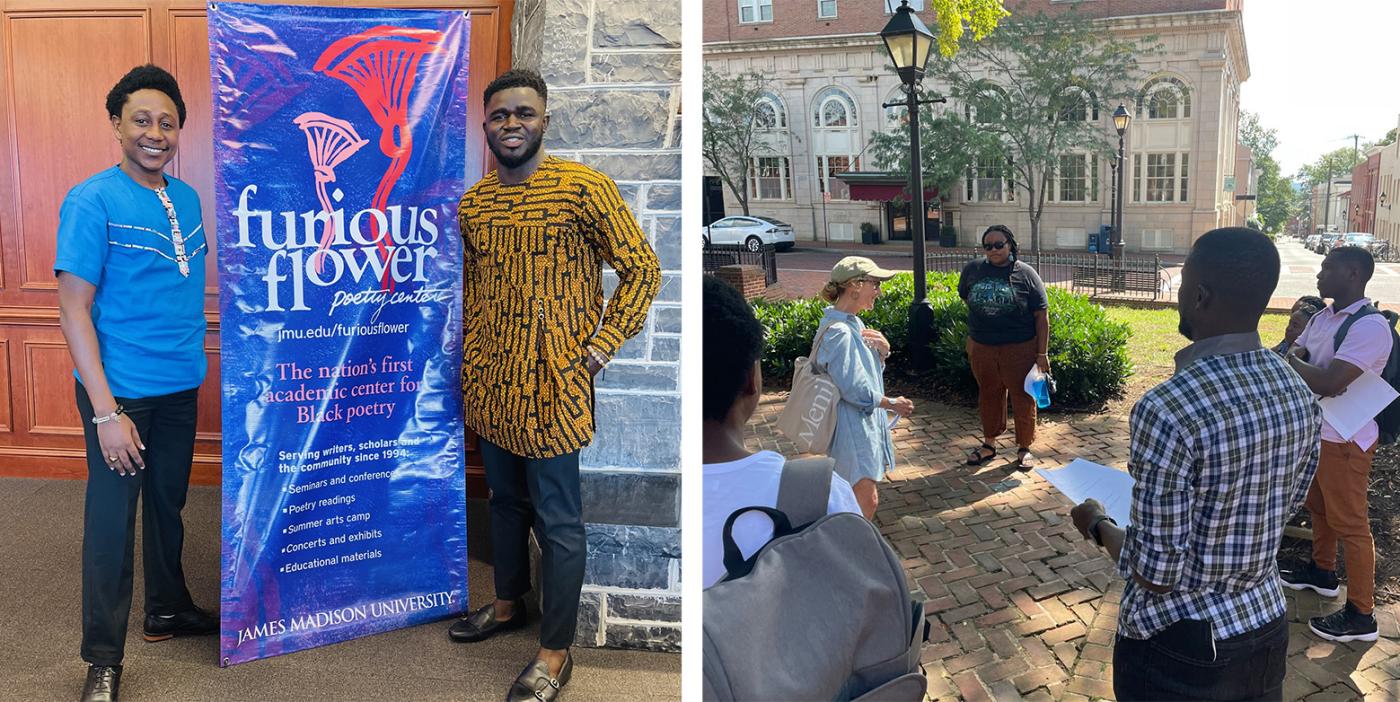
(1329, 240)
(1311, 242)
(1361, 239)
(751, 232)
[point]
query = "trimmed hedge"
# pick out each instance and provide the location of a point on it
(1088, 352)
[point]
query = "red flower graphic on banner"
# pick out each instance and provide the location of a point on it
(380, 64)
(329, 141)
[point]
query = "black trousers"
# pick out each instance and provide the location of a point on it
(166, 425)
(544, 494)
(1177, 664)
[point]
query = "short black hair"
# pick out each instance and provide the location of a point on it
(1239, 264)
(149, 76)
(1356, 256)
(1312, 303)
(516, 78)
(733, 341)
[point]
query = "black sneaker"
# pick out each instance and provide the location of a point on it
(1311, 577)
(1345, 624)
(195, 622)
(103, 682)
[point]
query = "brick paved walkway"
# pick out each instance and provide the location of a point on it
(1021, 606)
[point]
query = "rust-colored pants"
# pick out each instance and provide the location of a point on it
(1337, 501)
(997, 370)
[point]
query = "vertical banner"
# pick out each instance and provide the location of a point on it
(340, 151)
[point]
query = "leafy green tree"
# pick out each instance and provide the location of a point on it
(957, 16)
(730, 138)
(1260, 139)
(1031, 83)
(949, 145)
(1332, 164)
(1274, 193)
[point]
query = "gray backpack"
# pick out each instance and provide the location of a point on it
(821, 612)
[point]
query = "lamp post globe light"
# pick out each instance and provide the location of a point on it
(908, 41)
(1121, 118)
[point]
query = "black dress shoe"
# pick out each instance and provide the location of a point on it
(195, 622)
(483, 624)
(102, 684)
(536, 685)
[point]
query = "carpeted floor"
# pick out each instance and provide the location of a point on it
(40, 540)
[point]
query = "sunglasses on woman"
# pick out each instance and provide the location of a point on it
(997, 245)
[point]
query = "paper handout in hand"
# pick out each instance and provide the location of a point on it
(1081, 480)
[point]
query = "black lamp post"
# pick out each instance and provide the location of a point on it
(908, 41)
(1121, 118)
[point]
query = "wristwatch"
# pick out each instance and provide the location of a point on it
(1094, 527)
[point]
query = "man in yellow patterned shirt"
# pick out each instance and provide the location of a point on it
(536, 232)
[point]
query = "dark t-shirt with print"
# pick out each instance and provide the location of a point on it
(1001, 301)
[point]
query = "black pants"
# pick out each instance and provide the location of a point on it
(166, 425)
(1177, 664)
(542, 493)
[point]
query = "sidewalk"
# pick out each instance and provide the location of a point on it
(1021, 606)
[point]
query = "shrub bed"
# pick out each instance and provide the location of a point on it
(1088, 351)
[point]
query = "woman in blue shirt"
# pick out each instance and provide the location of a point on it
(130, 268)
(854, 357)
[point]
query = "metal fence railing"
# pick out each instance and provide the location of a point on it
(1095, 275)
(719, 255)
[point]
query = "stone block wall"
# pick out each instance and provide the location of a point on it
(613, 68)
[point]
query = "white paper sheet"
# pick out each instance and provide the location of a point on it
(1081, 480)
(1363, 400)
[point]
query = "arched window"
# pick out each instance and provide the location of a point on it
(1164, 98)
(770, 173)
(834, 109)
(1077, 105)
(983, 105)
(835, 140)
(769, 112)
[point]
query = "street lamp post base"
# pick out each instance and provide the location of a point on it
(920, 336)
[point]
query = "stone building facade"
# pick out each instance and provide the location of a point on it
(613, 68)
(829, 77)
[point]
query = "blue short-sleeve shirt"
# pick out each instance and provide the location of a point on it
(115, 234)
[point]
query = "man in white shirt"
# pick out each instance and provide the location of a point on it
(735, 477)
(1337, 500)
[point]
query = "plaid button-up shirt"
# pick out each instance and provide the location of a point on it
(1222, 454)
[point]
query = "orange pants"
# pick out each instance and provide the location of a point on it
(997, 370)
(1337, 501)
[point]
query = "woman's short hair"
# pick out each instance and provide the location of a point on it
(149, 76)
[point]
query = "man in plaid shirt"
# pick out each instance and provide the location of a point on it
(1222, 454)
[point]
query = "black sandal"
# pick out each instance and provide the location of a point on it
(977, 458)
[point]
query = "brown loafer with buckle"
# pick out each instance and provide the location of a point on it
(536, 685)
(483, 624)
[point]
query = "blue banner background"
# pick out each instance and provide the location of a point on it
(343, 489)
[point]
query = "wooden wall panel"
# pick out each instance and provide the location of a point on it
(63, 66)
(57, 62)
(48, 375)
(6, 380)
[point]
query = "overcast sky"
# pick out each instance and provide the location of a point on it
(1322, 71)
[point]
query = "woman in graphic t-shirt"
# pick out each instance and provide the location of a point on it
(1009, 332)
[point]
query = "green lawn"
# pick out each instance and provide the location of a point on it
(1155, 341)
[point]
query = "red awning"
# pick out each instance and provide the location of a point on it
(885, 193)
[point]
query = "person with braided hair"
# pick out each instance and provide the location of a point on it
(1008, 325)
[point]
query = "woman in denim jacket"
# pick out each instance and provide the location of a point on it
(854, 357)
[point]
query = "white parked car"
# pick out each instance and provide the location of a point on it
(751, 232)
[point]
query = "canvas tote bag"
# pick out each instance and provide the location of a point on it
(809, 418)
